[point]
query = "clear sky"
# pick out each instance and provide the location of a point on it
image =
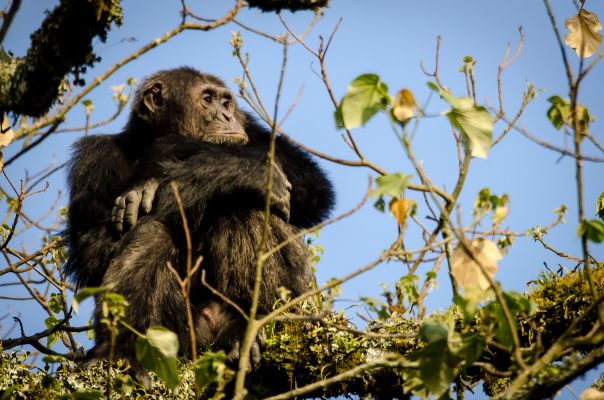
(388, 38)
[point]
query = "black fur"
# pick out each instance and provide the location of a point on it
(223, 190)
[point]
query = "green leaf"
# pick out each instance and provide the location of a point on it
(339, 118)
(433, 86)
(380, 204)
(157, 352)
(437, 367)
(7, 393)
(54, 359)
(208, 368)
(163, 339)
(600, 206)
(593, 230)
(54, 337)
(433, 330)
(476, 126)
(559, 113)
(87, 395)
(493, 313)
(391, 185)
(473, 122)
(467, 345)
(366, 95)
(56, 303)
(377, 306)
(85, 293)
(88, 106)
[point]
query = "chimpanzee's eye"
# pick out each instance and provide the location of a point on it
(207, 98)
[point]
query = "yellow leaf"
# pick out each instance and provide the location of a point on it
(467, 272)
(6, 133)
(404, 106)
(118, 88)
(499, 214)
(584, 34)
(401, 208)
(592, 394)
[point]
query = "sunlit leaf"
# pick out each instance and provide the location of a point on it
(499, 214)
(157, 352)
(592, 394)
(366, 95)
(467, 272)
(404, 106)
(583, 36)
(476, 126)
(85, 293)
(473, 122)
(391, 185)
(164, 340)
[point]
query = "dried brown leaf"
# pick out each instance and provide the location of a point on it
(584, 34)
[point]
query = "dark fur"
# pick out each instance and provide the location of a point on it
(223, 190)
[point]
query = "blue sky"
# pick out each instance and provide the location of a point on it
(388, 38)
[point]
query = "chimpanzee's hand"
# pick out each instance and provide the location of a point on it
(255, 353)
(280, 193)
(125, 212)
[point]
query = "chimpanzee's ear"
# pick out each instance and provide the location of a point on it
(153, 98)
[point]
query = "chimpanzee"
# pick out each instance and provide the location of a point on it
(185, 127)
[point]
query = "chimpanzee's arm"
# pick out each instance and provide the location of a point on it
(217, 178)
(312, 196)
(97, 172)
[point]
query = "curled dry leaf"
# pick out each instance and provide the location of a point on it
(592, 394)
(583, 33)
(401, 209)
(467, 272)
(404, 106)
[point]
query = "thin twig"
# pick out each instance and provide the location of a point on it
(7, 18)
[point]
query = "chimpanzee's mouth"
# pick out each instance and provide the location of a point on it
(236, 137)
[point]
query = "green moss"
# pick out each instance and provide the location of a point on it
(62, 45)
(300, 352)
(561, 299)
